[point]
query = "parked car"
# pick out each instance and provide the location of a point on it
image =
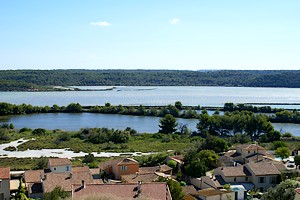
(291, 164)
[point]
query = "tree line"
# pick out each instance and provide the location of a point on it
(177, 110)
(28, 79)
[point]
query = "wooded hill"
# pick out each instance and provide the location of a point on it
(25, 79)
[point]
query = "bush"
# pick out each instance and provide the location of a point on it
(25, 129)
(39, 131)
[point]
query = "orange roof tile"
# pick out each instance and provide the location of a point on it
(150, 191)
(59, 161)
(33, 176)
(4, 173)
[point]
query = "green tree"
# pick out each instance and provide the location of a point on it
(175, 189)
(41, 163)
(172, 163)
(56, 194)
(74, 107)
(282, 152)
(283, 191)
(195, 168)
(168, 124)
(208, 157)
(297, 160)
(278, 144)
(88, 158)
(178, 105)
(21, 193)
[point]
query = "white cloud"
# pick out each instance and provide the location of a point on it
(100, 23)
(175, 20)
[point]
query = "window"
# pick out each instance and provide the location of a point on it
(261, 179)
(123, 168)
(246, 179)
(234, 179)
(67, 168)
(0, 183)
(248, 151)
(54, 168)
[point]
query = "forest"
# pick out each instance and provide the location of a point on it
(28, 80)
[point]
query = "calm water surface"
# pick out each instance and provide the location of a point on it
(146, 95)
(143, 124)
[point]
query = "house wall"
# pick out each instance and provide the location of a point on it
(5, 189)
(225, 196)
(125, 169)
(239, 179)
(267, 182)
(60, 169)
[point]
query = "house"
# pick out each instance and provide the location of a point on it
(119, 167)
(33, 180)
(149, 191)
(148, 174)
(261, 175)
(39, 182)
(246, 153)
(213, 194)
(59, 165)
(4, 183)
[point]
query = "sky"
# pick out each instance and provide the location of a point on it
(150, 34)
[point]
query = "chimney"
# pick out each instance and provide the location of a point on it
(71, 174)
(82, 184)
(139, 185)
(136, 174)
(45, 176)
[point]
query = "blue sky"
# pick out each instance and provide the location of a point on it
(150, 34)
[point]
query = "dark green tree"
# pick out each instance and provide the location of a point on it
(74, 107)
(56, 194)
(284, 191)
(195, 168)
(282, 152)
(297, 161)
(175, 190)
(178, 105)
(168, 124)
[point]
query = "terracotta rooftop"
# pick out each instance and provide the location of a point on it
(149, 170)
(149, 191)
(250, 147)
(263, 168)
(177, 158)
(211, 192)
(4, 173)
(145, 178)
(118, 161)
(235, 171)
(66, 179)
(33, 176)
(81, 169)
(59, 161)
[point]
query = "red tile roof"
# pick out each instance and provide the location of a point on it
(235, 171)
(263, 168)
(149, 191)
(4, 173)
(59, 161)
(66, 179)
(145, 178)
(33, 176)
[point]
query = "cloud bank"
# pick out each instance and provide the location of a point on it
(174, 21)
(100, 23)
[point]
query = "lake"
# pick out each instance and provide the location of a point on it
(163, 95)
(76, 121)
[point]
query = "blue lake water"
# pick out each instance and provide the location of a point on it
(147, 124)
(146, 95)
